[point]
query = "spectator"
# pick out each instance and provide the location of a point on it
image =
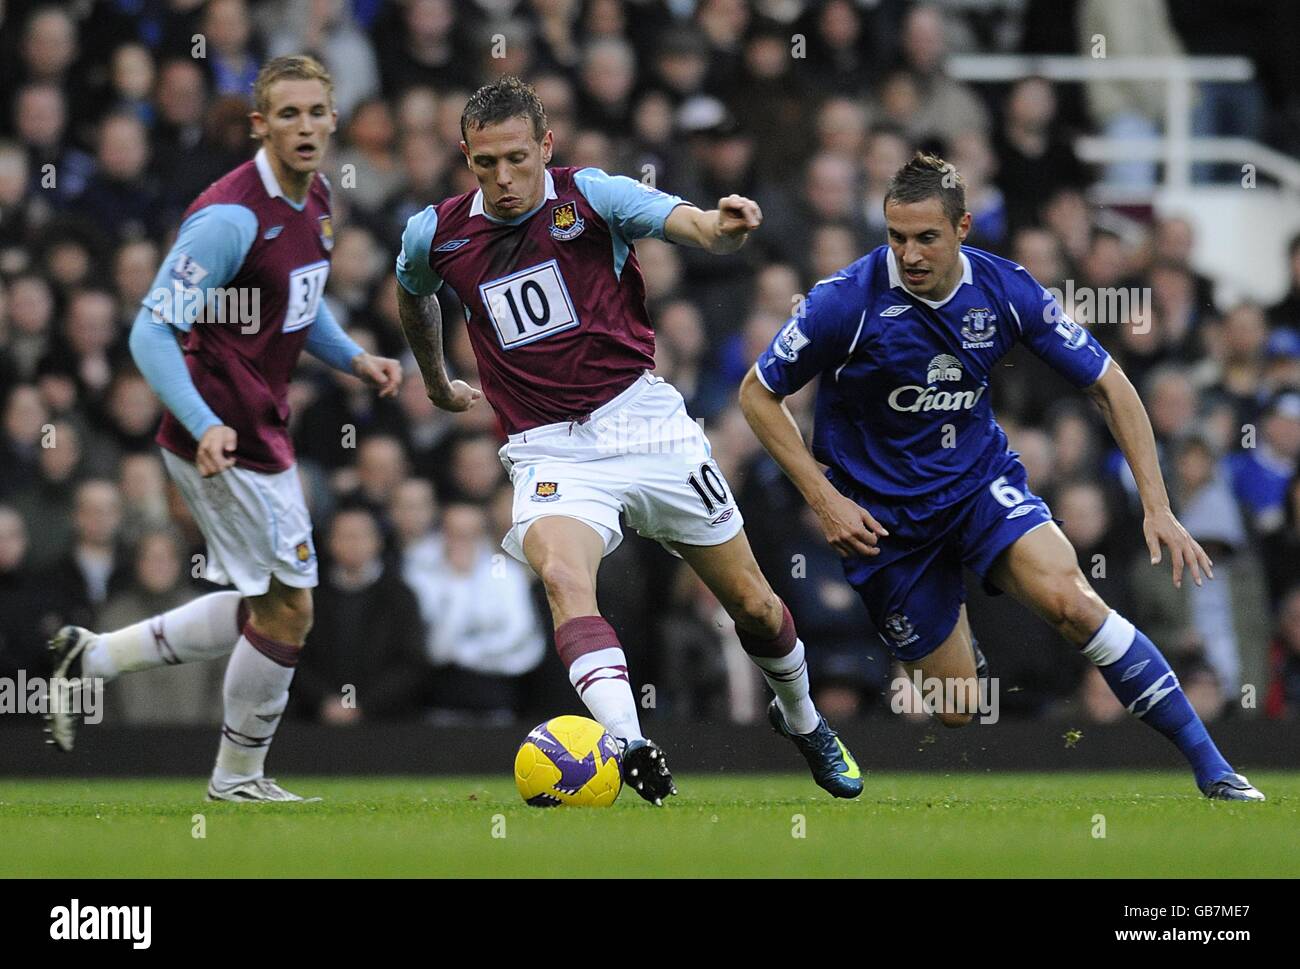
(1283, 699)
(22, 599)
(944, 108)
(82, 580)
(1034, 159)
(328, 30)
(484, 633)
(361, 661)
(187, 693)
(1260, 473)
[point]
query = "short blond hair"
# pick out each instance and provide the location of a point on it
(291, 67)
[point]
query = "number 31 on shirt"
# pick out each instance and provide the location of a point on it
(529, 305)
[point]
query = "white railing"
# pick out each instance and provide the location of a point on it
(1177, 148)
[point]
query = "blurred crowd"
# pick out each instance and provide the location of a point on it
(115, 114)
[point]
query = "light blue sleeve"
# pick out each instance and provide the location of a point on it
(327, 341)
(413, 270)
(208, 251)
(153, 345)
(632, 209)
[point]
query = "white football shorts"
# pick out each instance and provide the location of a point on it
(256, 525)
(640, 454)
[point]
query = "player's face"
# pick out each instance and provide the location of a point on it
(510, 165)
(926, 246)
(296, 129)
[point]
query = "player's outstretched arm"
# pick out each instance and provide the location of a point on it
(421, 319)
(1118, 400)
(721, 230)
(849, 528)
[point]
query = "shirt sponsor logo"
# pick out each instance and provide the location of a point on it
(977, 328)
(566, 224)
(895, 310)
(913, 399)
(546, 491)
(790, 341)
(452, 245)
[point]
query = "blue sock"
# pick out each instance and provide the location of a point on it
(1141, 678)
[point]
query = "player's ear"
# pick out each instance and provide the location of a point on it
(464, 150)
(258, 124)
(548, 146)
(963, 227)
(334, 121)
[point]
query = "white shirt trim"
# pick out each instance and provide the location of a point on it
(476, 207)
(896, 280)
(269, 181)
(852, 346)
(758, 372)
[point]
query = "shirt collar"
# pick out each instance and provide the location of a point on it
(896, 279)
(269, 181)
(476, 207)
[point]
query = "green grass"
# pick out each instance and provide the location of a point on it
(904, 825)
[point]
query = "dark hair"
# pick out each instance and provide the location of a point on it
(929, 176)
(506, 97)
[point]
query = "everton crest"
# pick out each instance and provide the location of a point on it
(566, 223)
(977, 328)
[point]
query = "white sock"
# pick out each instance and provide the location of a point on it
(256, 692)
(1112, 640)
(206, 628)
(788, 677)
(600, 678)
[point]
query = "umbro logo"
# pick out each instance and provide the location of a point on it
(896, 310)
(1133, 671)
(452, 246)
(272, 232)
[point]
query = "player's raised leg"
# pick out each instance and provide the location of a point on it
(565, 553)
(1041, 570)
(956, 664)
(766, 631)
(206, 628)
(256, 691)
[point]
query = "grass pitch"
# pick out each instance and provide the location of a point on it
(904, 825)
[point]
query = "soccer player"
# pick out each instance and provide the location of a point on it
(543, 262)
(920, 480)
(243, 286)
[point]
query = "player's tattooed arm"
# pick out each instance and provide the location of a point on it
(1127, 419)
(849, 528)
(721, 230)
(421, 319)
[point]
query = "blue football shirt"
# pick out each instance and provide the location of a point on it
(903, 408)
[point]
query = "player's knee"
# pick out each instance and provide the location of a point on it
(757, 609)
(1071, 605)
(566, 583)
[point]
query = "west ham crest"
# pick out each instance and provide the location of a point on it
(326, 233)
(566, 224)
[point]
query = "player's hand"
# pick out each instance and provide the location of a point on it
(382, 373)
(738, 216)
(850, 528)
(216, 450)
(1162, 528)
(460, 397)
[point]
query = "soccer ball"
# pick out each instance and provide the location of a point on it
(568, 760)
